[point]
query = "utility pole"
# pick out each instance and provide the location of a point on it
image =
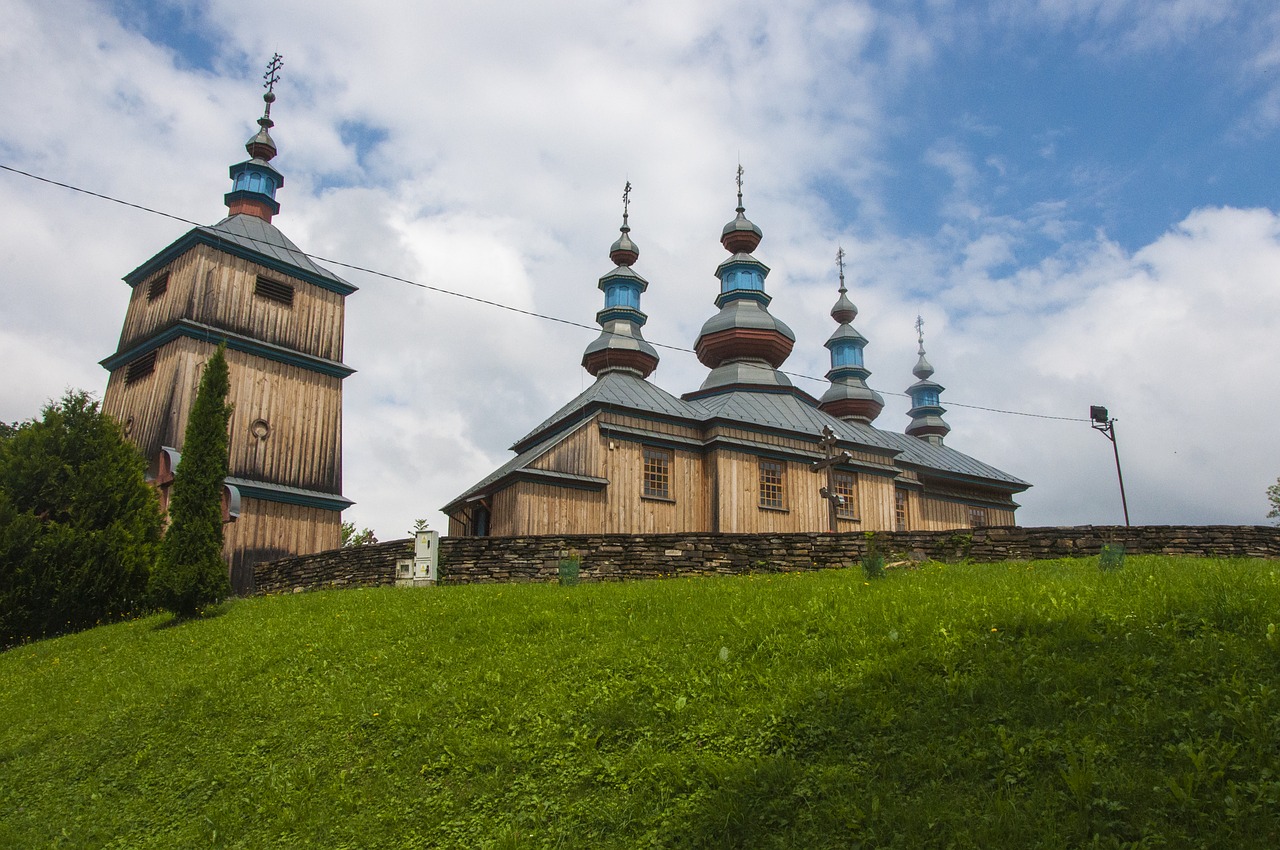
(1107, 427)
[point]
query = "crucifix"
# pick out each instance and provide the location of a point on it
(828, 464)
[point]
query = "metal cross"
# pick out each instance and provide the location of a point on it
(840, 264)
(828, 464)
(739, 184)
(273, 72)
(920, 329)
(626, 201)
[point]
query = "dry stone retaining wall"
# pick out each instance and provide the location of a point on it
(617, 557)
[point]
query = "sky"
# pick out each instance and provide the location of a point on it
(1079, 197)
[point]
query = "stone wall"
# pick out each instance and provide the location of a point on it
(616, 557)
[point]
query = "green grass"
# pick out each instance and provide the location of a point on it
(1012, 705)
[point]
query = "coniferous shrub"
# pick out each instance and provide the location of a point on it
(79, 526)
(190, 572)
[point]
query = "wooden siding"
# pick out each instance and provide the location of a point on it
(154, 409)
(267, 531)
(714, 489)
(214, 288)
(933, 514)
(628, 511)
(302, 409)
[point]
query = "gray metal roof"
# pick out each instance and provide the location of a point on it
(788, 412)
(618, 389)
(946, 459)
(260, 236)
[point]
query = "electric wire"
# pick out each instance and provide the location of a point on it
(478, 300)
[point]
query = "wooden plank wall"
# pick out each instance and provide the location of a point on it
(267, 531)
(302, 409)
(154, 410)
(209, 286)
(713, 491)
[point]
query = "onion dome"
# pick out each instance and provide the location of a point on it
(926, 409)
(620, 346)
(254, 182)
(743, 343)
(848, 397)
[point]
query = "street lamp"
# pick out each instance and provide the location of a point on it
(1107, 426)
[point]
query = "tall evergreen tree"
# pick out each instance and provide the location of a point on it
(190, 572)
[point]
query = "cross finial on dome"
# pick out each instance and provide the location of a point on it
(741, 208)
(626, 202)
(840, 265)
(920, 331)
(269, 80)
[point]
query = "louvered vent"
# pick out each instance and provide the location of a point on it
(274, 290)
(159, 285)
(140, 368)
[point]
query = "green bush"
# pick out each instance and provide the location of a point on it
(78, 524)
(872, 559)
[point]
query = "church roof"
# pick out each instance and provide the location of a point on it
(785, 411)
(253, 239)
(941, 458)
(613, 389)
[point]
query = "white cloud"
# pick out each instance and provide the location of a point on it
(503, 135)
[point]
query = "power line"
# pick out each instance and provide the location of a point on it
(479, 300)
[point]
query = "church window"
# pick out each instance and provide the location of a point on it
(927, 398)
(900, 518)
(977, 517)
(274, 290)
(845, 485)
(772, 481)
(158, 286)
(847, 354)
(139, 368)
(657, 473)
(622, 295)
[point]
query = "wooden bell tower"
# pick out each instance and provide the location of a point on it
(244, 282)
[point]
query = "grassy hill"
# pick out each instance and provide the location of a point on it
(1041, 704)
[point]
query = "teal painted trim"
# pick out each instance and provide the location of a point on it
(224, 244)
(289, 495)
(738, 294)
(634, 316)
(235, 342)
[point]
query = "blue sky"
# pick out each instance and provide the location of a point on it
(1077, 195)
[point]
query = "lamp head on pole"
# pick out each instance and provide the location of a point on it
(1098, 414)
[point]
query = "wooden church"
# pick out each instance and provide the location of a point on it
(745, 452)
(243, 282)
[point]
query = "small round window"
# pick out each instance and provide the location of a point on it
(260, 429)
